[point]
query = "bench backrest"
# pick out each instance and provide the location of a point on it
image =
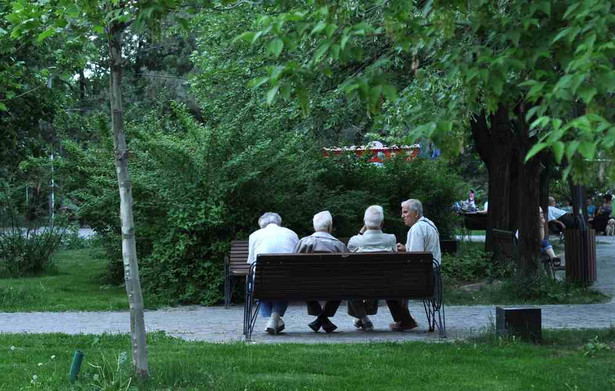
(344, 276)
(505, 245)
(238, 258)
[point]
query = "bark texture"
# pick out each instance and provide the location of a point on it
(129, 250)
(503, 140)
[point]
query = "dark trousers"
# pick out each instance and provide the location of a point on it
(568, 220)
(329, 309)
(362, 308)
(399, 311)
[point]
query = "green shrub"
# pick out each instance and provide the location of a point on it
(27, 252)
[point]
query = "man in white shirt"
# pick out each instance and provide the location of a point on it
(422, 236)
(559, 219)
(272, 238)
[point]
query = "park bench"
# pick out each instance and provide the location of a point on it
(236, 264)
(507, 249)
(345, 276)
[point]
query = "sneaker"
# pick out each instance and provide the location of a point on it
(557, 261)
(274, 327)
(357, 323)
(403, 326)
(280, 327)
(367, 324)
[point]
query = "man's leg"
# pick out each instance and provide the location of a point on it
(401, 315)
(276, 324)
(357, 309)
(313, 308)
(331, 308)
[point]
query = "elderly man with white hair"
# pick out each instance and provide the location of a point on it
(422, 236)
(370, 239)
(321, 241)
(272, 238)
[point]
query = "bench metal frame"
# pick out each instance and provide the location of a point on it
(434, 308)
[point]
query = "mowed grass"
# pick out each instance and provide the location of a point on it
(74, 286)
(563, 361)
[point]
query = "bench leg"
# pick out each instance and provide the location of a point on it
(227, 291)
(229, 287)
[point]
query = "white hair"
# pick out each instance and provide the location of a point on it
(413, 205)
(374, 216)
(269, 218)
(323, 221)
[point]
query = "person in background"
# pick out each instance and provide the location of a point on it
(272, 238)
(558, 219)
(545, 246)
(370, 239)
(422, 236)
(603, 214)
(321, 241)
(591, 209)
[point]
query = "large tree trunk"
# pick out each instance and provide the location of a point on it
(513, 186)
(129, 249)
(493, 146)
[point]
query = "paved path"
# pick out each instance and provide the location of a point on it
(216, 324)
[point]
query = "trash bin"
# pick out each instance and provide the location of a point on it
(580, 257)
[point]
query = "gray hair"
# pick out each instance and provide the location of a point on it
(374, 216)
(269, 218)
(323, 221)
(413, 205)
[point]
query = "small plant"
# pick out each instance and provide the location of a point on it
(595, 346)
(109, 374)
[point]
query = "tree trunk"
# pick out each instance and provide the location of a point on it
(129, 250)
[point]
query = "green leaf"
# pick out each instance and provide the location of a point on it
(45, 34)
(587, 149)
(561, 34)
(389, 91)
(255, 83)
(272, 93)
(99, 29)
(275, 47)
(571, 148)
(571, 9)
(320, 26)
(73, 11)
(3, 107)
(321, 51)
(558, 150)
(285, 91)
(535, 149)
(248, 36)
(302, 98)
(587, 93)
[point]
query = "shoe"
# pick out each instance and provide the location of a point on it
(403, 326)
(367, 324)
(559, 267)
(280, 327)
(327, 325)
(357, 323)
(315, 325)
(557, 261)
(272, 326)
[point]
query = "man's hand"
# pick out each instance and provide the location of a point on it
(401, 247)
(561, 224)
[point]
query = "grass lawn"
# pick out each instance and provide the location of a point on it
(75, 286)
(566, 360)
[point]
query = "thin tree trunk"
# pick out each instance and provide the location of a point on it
(129, 249)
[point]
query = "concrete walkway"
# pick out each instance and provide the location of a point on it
(216, 324)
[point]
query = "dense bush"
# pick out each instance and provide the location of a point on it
(27, 251)
(197, 188)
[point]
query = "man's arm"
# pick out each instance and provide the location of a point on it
(251, 243)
